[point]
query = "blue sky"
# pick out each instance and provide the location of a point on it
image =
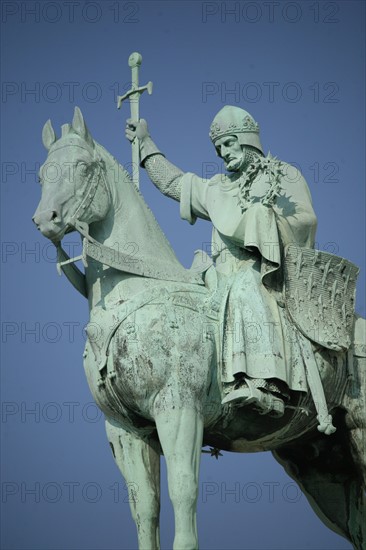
(299, 68)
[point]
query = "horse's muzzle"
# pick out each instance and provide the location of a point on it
(47, 223)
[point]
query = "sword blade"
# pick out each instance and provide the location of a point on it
(135, 62)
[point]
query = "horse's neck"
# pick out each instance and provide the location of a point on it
(131, 228)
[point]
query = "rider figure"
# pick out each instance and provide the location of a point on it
(257, 208)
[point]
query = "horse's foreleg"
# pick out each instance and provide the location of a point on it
(180, 432)
(139, 462)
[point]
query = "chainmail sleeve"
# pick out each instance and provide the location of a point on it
(164, 175)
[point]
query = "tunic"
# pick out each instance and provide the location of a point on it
(259, 340)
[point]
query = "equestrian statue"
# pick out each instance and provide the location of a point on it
(254, 348)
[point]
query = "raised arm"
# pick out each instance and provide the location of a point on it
(164, 175)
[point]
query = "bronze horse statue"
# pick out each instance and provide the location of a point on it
(151, 357)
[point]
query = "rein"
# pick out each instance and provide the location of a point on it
(114, 258)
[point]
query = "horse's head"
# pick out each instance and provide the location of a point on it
(71, 179)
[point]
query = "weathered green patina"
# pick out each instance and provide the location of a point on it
(162, 354)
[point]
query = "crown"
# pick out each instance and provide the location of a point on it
(247, 125)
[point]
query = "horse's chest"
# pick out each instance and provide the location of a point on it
(155, 354)
(151, 350)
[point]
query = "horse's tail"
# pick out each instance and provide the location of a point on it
(355, 396)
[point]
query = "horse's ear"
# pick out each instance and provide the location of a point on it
(48, 135)
(80, 127)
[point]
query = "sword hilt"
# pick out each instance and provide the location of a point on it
(134, 61)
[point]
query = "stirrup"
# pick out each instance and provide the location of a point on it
(264, 403)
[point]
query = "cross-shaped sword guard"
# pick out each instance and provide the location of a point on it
(139, 90)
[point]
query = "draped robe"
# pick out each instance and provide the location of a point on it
(259, 339)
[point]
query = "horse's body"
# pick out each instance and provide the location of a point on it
(151, 363)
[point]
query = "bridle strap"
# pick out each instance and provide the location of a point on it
(119, 261)
(66, 265)
(89, 196)
(128, 264)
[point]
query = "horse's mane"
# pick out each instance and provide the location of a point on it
(123, 179)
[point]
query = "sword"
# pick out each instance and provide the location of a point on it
(134, 61)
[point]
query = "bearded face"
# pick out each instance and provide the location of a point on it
(230, 150)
